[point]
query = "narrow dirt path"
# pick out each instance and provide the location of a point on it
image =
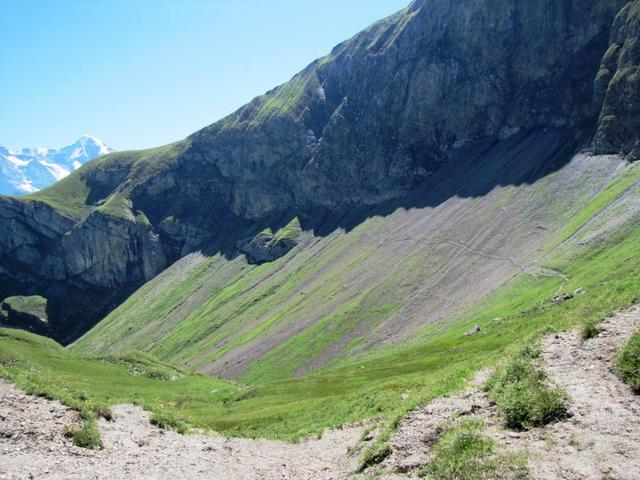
(530, 269)
(420, 428)
(602, 437)
(600, 440)
(32, 446)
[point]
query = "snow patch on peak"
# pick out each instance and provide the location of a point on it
(16, 161)
(78, 152)
(26, 186)
(58, 172)
(32, 169)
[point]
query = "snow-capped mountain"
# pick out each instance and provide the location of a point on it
(32, 169)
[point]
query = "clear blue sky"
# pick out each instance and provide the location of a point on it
(142, 73)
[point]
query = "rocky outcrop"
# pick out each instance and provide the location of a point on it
(267, 246)
(264, 247)
(29, 313)
(377, 117)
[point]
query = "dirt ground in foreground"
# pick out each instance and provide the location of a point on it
(32, 446)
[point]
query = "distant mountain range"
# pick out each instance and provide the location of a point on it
(32, 169)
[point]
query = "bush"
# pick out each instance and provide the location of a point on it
(88, 436)
(628, 362)
(521, 392)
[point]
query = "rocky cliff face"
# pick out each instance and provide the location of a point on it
(83, 268)
(369, 122)
(618, 85)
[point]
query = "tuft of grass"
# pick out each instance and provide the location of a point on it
(462, 452)
(88, 436)
(589, 328)
(374, 455)
(628, 362)
(520, 390)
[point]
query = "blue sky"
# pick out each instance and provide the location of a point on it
(142, 73)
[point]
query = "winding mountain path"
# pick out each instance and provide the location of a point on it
(601, 439)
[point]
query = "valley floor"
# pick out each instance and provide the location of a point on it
(600, 439)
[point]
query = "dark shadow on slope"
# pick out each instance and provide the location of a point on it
(470, 172)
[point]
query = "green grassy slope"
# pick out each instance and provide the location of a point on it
(381, 283)
(43, 367)
(597, 258)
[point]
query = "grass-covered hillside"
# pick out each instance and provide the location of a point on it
(385, 281)
(404, 212)
(417, 138)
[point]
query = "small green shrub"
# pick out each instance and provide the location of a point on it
(628, 362)
(88, 436)
(520, 390)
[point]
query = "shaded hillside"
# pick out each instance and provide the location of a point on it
(445, 99)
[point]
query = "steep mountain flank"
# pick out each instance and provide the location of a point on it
(446, 99)
(384, 279)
